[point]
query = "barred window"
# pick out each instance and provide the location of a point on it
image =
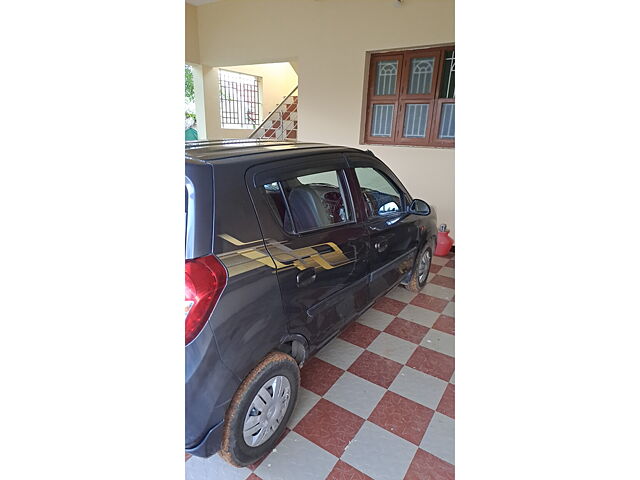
(240, 105)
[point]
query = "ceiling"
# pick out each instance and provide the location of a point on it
(200, 2)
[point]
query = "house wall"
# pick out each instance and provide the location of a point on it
(328, 41)
(191, 47)
(278, 79)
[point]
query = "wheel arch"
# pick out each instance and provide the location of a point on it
(295, 345)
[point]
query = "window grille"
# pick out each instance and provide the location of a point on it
(240, 105)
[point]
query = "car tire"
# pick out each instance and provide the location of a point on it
(254, 424)
(420, 275)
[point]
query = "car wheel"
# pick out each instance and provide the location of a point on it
(260, 409)
(420, 270)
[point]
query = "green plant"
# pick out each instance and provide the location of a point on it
(189, 93)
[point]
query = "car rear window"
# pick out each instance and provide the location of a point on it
(305, 203)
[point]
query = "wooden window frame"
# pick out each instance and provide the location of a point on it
(401, 98)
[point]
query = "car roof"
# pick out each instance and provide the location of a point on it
(247, 149)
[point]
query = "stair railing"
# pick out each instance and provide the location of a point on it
(274, 114)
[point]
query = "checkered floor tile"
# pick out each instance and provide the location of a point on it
(375, 403)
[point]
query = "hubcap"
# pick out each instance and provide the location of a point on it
(423, 266)
(266, 411)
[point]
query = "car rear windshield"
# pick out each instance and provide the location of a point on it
(188, 231)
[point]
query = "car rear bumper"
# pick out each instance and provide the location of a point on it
(210, 444)
(209, 387)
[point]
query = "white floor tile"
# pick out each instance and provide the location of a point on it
(447, 272)
(401, 294)
(440, 260)
(438, 291)
(306, 401)
(379, 453)
(390, 346)
(298, 456)
(375, 319)
(419, 315)
(440, 342)
(197, 468)
(419, 387)
(340, 353)
(439, 438)
(355, 394)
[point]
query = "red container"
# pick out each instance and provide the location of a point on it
(443, 244)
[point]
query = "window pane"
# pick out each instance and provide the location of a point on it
(415, 120)
(315, 201)
(448, 121)
(276, 201)
(421, 75)
(382, 120)
(448, 87)
(386, 75)
(381, 197)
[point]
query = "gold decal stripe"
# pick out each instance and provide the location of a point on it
(282, 257)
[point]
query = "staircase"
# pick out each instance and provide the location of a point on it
(282, 123)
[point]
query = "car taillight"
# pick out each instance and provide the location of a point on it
(204, 280)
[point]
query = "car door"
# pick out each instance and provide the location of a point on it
(320, 249)
(393, 233)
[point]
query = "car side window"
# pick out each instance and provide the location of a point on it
(381, 196)
(309, 202)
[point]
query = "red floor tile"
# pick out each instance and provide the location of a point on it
(344, 471)
(430, 303)
(443, 281)
(253, 476)
(451, 263)
(402, 416)
(447, 402)
(329, 426)
(445, 324)
(187, 456)
(389, 305)
(429, 467)
(319, 376)
(432, 363)
(379, 370)
(359, 334)
(409, 331)
(435, 268)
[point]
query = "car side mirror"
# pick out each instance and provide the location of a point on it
(389, 207)
(419, 207)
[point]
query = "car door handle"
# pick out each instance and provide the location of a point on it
(306, 277)
(381, 246)
(323, 249)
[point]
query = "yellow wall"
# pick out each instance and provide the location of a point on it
(328, 41)
(191, 48)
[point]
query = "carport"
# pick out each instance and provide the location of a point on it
(377, 401)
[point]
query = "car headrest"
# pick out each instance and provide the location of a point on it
(307, 208)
